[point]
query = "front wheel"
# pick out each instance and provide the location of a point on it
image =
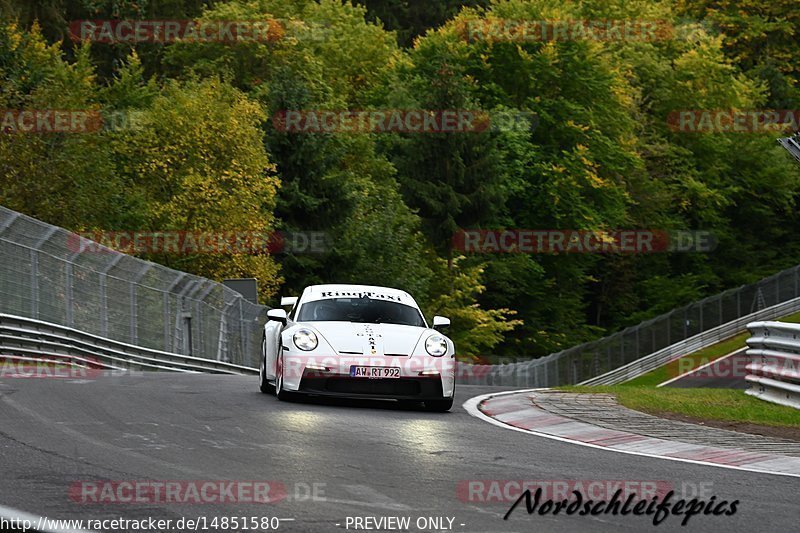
(439, 406)
(282, 395)
(263, 385)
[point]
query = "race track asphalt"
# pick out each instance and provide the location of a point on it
(365, 458)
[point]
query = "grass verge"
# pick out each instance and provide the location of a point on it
(713, 406)
(723, 405)
(697, 359)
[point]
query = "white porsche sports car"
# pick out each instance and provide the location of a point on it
(357, 341)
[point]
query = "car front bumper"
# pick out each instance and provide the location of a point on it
(421, 377)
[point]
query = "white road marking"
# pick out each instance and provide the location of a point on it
(471, 406)
(694, 370)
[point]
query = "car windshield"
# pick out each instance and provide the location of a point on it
(365, 310)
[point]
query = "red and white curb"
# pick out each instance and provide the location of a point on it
(513, 410)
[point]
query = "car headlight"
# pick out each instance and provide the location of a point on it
(436, 345)
(305, 339)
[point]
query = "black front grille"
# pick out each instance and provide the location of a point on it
(400, 387)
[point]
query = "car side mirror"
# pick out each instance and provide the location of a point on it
(278, 315)
(440, 322)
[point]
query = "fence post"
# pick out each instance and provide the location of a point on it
(669, 328)
(242, 340)
(794, 271)
(135, 304)
(702, 312)
(222, 341)
(202, 327)
(68, 294)
(103, 305)
(35, 283)
(166, 298)
(103, 297)
(35, 295)
(739, 303)
(133, 319)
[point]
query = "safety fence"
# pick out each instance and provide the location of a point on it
(46, 277)
(47, 274)
(638, 349)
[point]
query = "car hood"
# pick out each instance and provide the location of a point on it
(369, 339)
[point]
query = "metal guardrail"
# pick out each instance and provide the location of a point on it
(628, 348)
(25, 340)
(774, 362)
(792, 145)
(50, 274)
(546, 372)
(698, 342)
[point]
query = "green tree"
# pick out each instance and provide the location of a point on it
(760, 37)
(329, 58)
(196, 159)
(63, 178)
(475, 331)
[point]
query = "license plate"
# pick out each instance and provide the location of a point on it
(374, 372)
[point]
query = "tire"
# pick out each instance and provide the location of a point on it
(280, 393)
(263, 385)
(439, 406)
